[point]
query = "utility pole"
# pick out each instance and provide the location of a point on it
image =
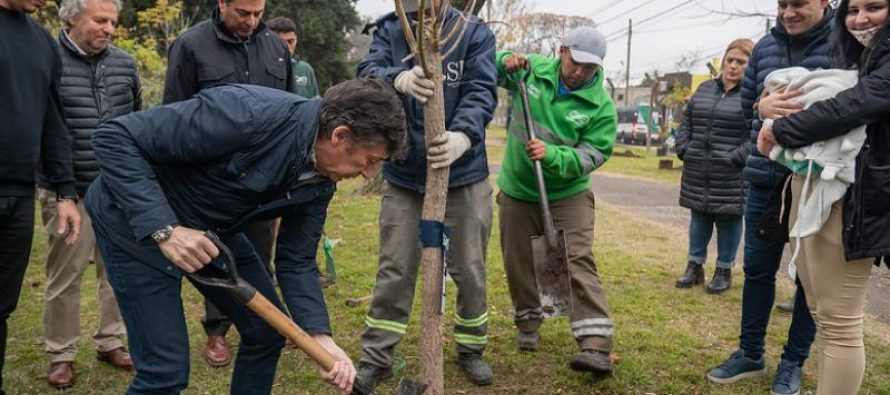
(627, 66)
(653, 99)
(769, 23)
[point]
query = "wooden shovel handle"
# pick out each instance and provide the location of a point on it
(289, 329)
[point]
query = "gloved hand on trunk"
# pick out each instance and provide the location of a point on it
(446, 148)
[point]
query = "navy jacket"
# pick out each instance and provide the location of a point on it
(866, 231)
(712, 142)
(771, 53)
(230, 154)
(470, 79)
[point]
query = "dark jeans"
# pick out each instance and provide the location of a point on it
(762, 260)
(261, 235)
(729, 236)
(16, 231)
(151, 306)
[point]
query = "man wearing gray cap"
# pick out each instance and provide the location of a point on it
(576, 125)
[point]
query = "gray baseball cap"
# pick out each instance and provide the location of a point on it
(586, 44)
(411, 5)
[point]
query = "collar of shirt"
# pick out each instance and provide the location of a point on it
(74, 44)
(565, 90)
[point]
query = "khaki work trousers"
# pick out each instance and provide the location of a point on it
(519, 221)
(65, 266)
(468, 215)
(835, 290)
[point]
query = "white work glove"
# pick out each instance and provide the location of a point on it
(446, 148)
(413, 82)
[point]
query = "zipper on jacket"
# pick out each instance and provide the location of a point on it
(859, 210)
(708, 143)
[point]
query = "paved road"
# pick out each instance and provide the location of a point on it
(657, 202)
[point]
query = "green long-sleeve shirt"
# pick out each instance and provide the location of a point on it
(304, 79)
(578, 128)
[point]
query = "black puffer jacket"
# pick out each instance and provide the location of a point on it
(712, 145)
(867, 203)
(94, 89)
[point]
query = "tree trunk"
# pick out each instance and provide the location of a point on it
(434, 199)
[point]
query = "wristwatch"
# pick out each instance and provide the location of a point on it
(162, 234)
(60, 197)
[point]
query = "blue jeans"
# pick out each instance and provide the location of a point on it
(729, 235)
(761, 263)
(151, 305)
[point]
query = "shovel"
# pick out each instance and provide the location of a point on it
(226, 277)
(548, 250)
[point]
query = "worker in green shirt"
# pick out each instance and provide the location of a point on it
(305, 83)
(576, 125)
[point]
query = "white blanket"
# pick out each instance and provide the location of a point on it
(833, 160)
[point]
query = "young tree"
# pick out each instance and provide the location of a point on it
(428, 42)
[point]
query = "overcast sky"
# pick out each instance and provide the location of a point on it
(664, 30)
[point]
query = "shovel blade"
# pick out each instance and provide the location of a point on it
(552, 275)
(410, 387)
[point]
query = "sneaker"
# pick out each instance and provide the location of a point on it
(368, 375)
(787, 379)
(475, 368)
(737, 367)
(527, 341)
(589, 360)
(787, 307)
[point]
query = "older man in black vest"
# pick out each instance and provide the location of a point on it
(99, 82)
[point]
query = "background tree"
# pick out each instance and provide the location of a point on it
(323, 27)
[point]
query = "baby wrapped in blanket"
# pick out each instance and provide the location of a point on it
(829, 165)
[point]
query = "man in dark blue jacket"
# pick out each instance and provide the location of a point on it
(799, 39)
(233, 46)
(470, 78)
(230, 155)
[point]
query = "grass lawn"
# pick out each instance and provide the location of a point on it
(666, 338)
(645, 166)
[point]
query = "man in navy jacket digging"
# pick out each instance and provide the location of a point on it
(230, 155)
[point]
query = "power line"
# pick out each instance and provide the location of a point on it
(623, 32)
(592, 15)
(622, 15)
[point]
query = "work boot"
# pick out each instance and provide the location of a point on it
(475, 368)
(590, 360)
(217, 351)
(787, 379)
(61, 374)
(368, 375)
(721, 281)
(527, 341)
(694, 275)
(737, 367)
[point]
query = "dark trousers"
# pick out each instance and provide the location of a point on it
(16, 231)
(151, 305)
(261, 235)
(761, 263)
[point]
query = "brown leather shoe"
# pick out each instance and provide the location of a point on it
(61, 374)
(119, 358)
(217, 351)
